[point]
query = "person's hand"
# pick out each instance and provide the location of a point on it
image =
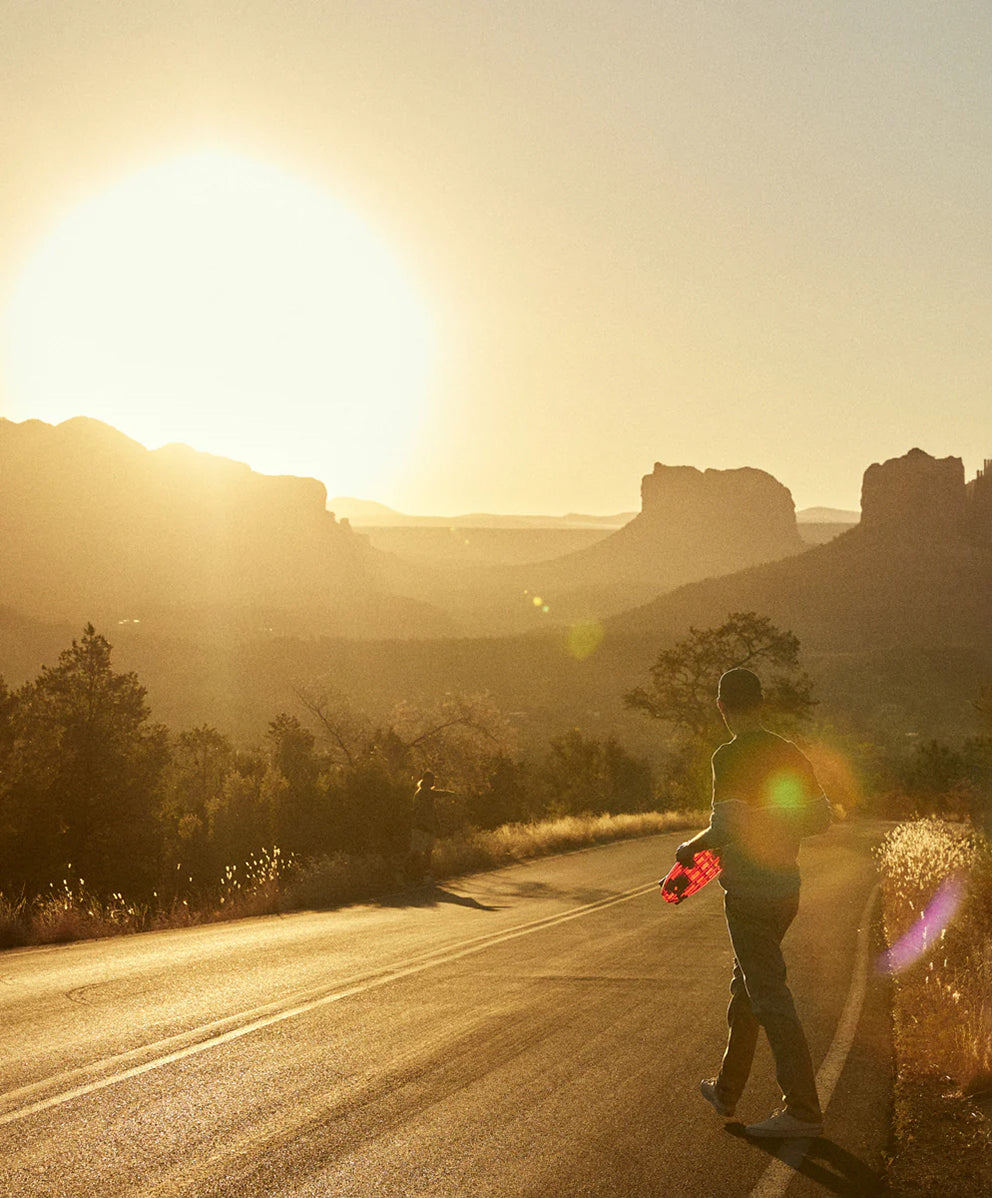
(685, 854)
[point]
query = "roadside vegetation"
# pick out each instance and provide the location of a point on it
(937, 889)
(271, 883)
(111, 823)
(937, 917)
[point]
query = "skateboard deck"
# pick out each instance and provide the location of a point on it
(684, 880)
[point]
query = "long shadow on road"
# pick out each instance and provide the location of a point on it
(833, 1168)
(430, 895)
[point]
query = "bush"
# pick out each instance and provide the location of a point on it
(14, 923)
(337, 878)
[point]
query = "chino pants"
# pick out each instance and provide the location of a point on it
(760, 998)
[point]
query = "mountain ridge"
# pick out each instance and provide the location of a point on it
(96, 526)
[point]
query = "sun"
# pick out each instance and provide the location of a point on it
(223, 303)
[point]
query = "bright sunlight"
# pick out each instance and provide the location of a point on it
(222, 303)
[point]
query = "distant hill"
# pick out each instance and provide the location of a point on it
(692, 524)
(366, 513)
(826, 515)
(895, 619)
(93, 526)
(474, 539)
(472, 545)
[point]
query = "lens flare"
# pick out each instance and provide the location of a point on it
(913, 943)
(584, 639)
(787, 790)
(838, 777)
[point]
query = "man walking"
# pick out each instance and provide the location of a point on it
(765, 800)
(426, 827)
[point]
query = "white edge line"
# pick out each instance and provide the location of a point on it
(776, 1178)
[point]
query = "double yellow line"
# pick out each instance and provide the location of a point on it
(29, 1100)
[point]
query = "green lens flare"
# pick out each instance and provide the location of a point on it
(584, 639)
(786, 790)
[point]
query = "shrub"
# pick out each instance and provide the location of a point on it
(14, 923)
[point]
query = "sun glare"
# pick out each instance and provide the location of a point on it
(222, 303)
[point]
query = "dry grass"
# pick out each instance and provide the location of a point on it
(518, 842)
(271, 882)
(14, 922)
(68, 912)
(943, 997)
(258, 889)
(332, 881)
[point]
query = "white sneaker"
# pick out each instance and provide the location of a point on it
(783, 1126)
(709, 1091)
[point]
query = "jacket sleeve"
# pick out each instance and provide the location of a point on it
(725, 823)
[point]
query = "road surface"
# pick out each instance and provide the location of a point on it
(537, 1031)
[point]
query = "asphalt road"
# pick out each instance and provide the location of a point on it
(535, 1031)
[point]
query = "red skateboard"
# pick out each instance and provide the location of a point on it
(683, 880)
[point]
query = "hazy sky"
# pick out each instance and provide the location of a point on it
(706, 233)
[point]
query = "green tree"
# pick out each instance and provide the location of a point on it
(300, 814)
(82, 781)
(244, 818)
(983, 705)
(8, 704)
(201, 759)
(582, 774)
(506, 797)
(682, 691)
(460, 737)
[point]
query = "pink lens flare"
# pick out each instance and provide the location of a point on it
(926, 931)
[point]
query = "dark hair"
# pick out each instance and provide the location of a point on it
(739, 688)
(427, 781)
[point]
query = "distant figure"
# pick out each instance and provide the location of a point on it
(765, 799)
(425, 829)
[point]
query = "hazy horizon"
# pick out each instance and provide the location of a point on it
(462, 258)
(371, 501)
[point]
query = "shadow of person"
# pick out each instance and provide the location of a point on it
(833, 1168)
(461, 900)
(429, 894)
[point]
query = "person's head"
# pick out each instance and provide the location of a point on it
(427, 781)
(739, 696)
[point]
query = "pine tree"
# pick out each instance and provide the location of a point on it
(81, 785)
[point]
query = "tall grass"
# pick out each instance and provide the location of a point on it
(272, 882)
(517, 842)
(337, 879)
(943, 997)
(260, 887)
(72, 911)
(69, 911)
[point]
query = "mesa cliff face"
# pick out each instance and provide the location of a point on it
(916, 496)
(95, 526)
(979, 516)
(734, 517)
(917, 570)
(693, 524)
